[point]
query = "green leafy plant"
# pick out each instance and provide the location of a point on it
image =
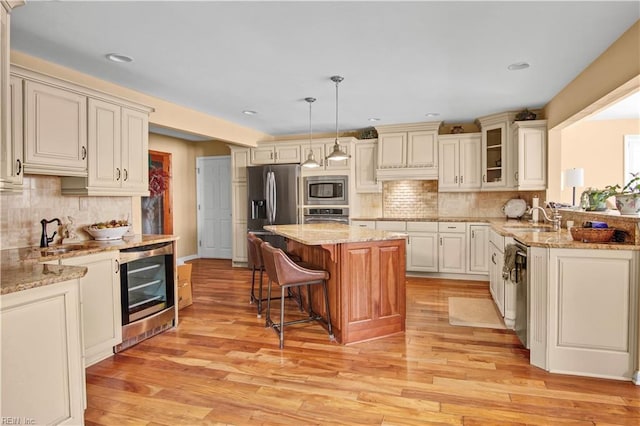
(631, 187)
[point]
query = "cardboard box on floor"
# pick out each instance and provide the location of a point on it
(185, 297)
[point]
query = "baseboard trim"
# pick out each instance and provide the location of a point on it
(464, 277)
(182, 260)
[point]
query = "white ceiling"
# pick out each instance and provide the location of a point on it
(400, 60)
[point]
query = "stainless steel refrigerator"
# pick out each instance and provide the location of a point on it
(272, 199)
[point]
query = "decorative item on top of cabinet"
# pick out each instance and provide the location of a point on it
(459, 162)
(408, 151)
(366, 159)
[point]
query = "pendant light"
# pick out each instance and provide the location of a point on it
(311, 159)
(337, 154)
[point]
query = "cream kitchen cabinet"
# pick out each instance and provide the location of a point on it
(478, 257)
(322, 149)
(459, 158)
(101, 306)
(272, 154)
(55, 130)
(584, 311)
(529, 155)
(11, 169)
(118, 152)
(452, 250)
(496, 262)
(42, 371)
(495, 131)
(408, 151)
(422, 246)
(240, 158)
(11, 141)
(366, 159)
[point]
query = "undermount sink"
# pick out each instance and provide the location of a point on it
(53, 251)
(530, 229)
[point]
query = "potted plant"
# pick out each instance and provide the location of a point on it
(628, 196)
(594, 200)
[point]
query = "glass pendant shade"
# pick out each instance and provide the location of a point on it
(310, 162)
(337, 154)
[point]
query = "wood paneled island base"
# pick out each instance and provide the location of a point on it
(367, 276)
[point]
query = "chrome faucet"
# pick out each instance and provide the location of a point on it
(44, 239)
(555, 218)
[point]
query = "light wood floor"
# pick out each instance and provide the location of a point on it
(221, 366)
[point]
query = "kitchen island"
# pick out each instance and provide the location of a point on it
(367, 276)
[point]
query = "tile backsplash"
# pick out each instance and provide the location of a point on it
(414, 199)
(41, 198)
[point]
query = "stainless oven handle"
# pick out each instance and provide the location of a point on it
(130, 256)
(518, 262)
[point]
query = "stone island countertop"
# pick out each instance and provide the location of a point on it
(329, 233)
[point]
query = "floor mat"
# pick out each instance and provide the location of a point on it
(473, 312)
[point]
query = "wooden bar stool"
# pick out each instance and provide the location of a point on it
(287, 274)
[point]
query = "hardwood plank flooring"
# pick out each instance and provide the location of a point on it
(222, 366)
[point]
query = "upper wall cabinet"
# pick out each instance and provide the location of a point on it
(272, 154)
(118, 153)
(55, 123)
(495, 150)
(97, 142)
(322, 148)
(529, 141)
(459, 162)
(11, 158)
(366, 159)
(408, 151)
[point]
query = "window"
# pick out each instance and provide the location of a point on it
(631, 156)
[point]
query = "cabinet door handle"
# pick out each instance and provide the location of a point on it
(473, 234)
(271, 156)
(455, 179)
(126, 174)
(440, 240)
(84, 153)
(118, 173)
(461, 179)
(276, 155)
(517, 176)
(18, 167)
(484, 178)
(493, 258)
(117, 266)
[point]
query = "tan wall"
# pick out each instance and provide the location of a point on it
(613, 75)
(616, 66)
(183, 181)
(166, 113)
(598, 147)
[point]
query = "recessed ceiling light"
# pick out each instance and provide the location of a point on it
(117, 57)
(249, 112)
(518, 66)
(432, 114)
(374, 119)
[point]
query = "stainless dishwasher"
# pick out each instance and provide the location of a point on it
(522, 300)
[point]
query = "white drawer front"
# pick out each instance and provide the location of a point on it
(391, 225)
(452, 227)
(422, 226)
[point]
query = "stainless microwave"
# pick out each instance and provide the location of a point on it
(326, 190)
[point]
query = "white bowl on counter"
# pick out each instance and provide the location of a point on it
(106, 234)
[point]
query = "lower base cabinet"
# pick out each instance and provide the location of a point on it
(42, 371)
(101, 306)
(584, 315)
(422, 246)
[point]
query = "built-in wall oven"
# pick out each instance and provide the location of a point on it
(326, 215)
(326, 190)
(147, 292)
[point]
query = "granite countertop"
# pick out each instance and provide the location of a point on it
(27, 276)
(329, 233)
(555, 239)
(432, 219)
(21, 268)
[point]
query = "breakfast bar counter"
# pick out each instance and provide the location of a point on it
(367, 276)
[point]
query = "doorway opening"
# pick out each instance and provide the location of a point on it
(157, 208)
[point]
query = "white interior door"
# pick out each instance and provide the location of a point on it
(214, 207)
